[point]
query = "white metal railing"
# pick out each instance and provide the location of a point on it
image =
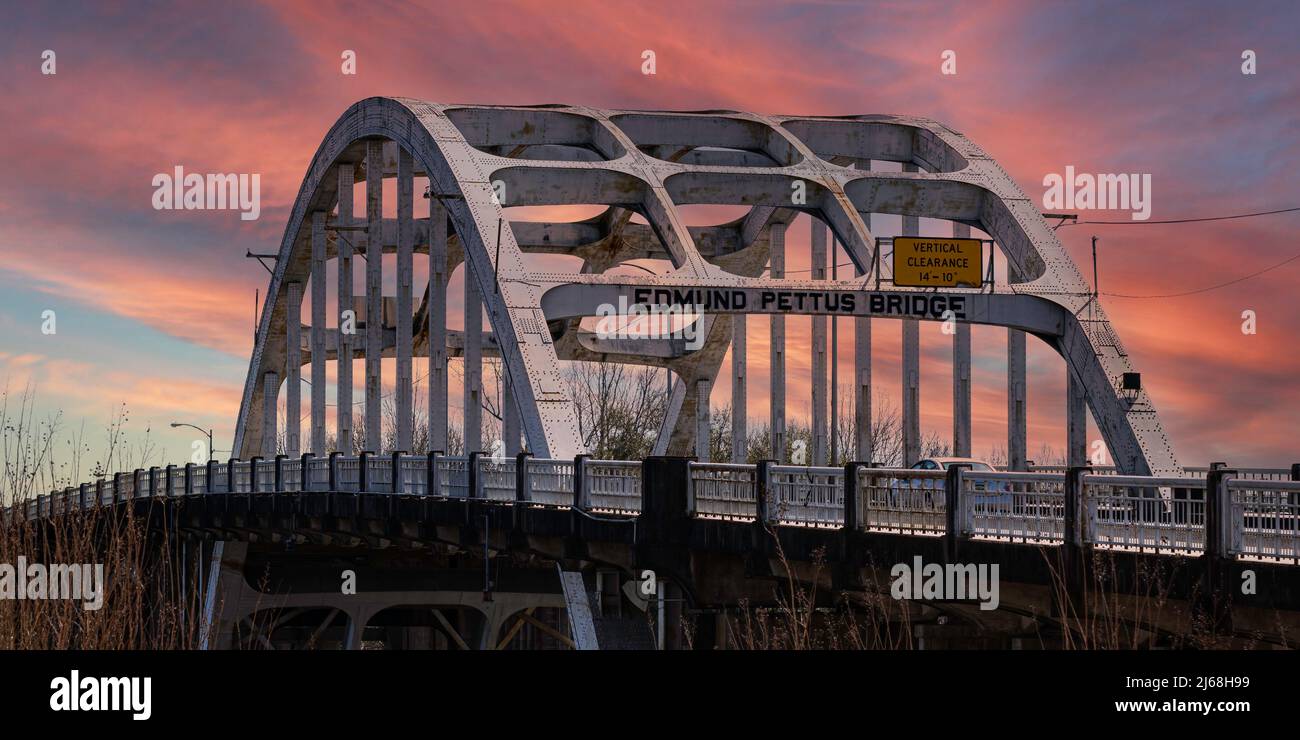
(347, 473)
(495, 478)
(723, 490)
(291, 474)
(1162, 515)
(318, 473)
(550, 482)
(1264, 519)
(902, 501)
(453, 477)
(1277, 474)
(806, 496)
(221, 478)
(1014, 507)
(379, 473)
(413, 474)
(613, 485)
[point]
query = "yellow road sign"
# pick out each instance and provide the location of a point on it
(926, 262)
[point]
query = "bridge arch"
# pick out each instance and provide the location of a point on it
(644, 162)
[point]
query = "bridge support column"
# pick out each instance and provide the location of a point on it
(819, 436)
(437, 325)
(293, 371)
(703, 389)
(1016, 398)
(473, 432)
(405, 270)
(862, 373)
(739, 381)
(961, 371)
(318, 333)
(374, 294)
(510, 422)
(776, 424)
(1076, 420)
(270, 407)
(911, 364)
(346, 317)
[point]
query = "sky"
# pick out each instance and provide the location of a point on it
(154, 308)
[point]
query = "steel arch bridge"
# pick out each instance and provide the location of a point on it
(480, 160)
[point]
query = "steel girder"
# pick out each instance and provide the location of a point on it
(649, 163)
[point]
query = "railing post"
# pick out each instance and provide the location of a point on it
(334, 470)
(304, 472)
(82, 494)
(1219, 518)
(762, 491)
(136, 484)
(581, 492)
(363, 472)
(211, 479)
(153, 481)
(955, 522)
(189, 478)
(471, 474)
(523, 486)
(1216, 596)
(230, 474)
(117, 486)
(432, 486)
(398, 485)
(168, 473)
(851, 469)
(252, 472)
(278, 478)
(99, 491)
(1295, 471)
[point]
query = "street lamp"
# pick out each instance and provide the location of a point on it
(208, 432)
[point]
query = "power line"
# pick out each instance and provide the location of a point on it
(1207, 289)
(1182, 220)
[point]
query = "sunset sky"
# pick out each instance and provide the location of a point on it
(155, 308)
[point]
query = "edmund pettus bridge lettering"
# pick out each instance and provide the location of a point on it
(845, 302)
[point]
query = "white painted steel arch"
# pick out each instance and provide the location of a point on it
(649, 163)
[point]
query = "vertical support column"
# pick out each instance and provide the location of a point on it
(961, 371)
(405, 270)
(862, 373)
(511, 425)
(739, 381)
(1016, 393)
(270, 408)
(374, 293)
(318, 332)
(473, 434)
(819, 440)
(437, 328)
(703, 388)
(293, 370)
(911, 364)
(776, 395)
(1076, 421)
(347, 328)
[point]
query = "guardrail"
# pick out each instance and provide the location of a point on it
(1227, 514)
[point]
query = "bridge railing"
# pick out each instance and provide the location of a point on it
(722, 490)
(902, 501)
(495, 478)
(1263, 519)
(1014, 507)
(612, 486)
(550, 482)
(807, 496)
(1161, 515)
(453, 476)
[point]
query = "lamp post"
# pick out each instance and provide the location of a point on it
(208, 432)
